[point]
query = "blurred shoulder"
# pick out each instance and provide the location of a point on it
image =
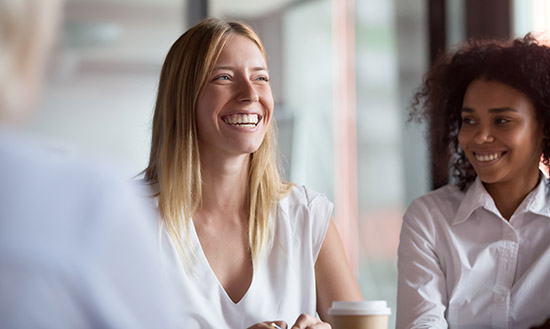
(51, 188)
(29, 160)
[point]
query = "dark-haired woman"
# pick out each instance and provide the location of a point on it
(476, 254)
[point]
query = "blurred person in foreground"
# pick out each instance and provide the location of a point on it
(76, 248)
(245, 248)
(476, 254)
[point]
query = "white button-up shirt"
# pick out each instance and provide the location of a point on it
(462, 265)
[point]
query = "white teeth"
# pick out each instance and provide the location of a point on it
(243, 120)
(487, 157)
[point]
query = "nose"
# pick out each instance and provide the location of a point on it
(483, 135)
(247, 92)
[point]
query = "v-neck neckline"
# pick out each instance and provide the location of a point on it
(211, 272)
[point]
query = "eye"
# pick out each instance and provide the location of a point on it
(468, 121)
(501, 121)
(263, 78)
(222, 77)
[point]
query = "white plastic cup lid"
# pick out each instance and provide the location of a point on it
(369, 307)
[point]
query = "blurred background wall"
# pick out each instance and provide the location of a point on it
(342, 71)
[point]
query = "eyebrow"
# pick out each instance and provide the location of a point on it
(494, 110)
(231, 68)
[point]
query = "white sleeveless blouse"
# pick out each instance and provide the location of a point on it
(283, 283)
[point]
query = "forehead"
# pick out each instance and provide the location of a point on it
(485, 95)
(239, 49)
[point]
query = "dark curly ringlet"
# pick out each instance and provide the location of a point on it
(522, 63)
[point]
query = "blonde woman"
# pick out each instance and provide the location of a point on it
(243, 247)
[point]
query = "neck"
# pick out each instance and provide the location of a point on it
(224, 184)
(509, 195)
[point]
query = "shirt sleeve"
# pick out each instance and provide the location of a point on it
(422, 296)
(320, 209)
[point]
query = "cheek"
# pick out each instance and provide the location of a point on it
(200, 116)
(211, 99)
(206, 106)
(526, 139)
(204, 121)
(539, 143)
(268, 105)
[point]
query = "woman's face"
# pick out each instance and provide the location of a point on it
(500, 134)
(235, 107)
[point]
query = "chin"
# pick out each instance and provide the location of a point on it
(250, 148)
(490, 179)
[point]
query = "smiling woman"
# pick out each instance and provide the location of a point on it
(502, 139)
(241, 246)
(235, 107)
(490, 103)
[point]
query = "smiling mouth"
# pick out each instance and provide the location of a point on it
(242, 120)
(488, 157)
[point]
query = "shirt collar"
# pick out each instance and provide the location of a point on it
(537, 201)
(476, 197)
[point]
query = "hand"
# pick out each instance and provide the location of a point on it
(270, 325)
(306, 321)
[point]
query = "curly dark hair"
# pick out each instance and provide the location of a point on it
(522, 63)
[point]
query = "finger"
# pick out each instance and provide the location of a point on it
(303, 321)
(306, 321)
(320, 325)
(269, 324)
(278, 325)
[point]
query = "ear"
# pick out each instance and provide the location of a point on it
(544, 164)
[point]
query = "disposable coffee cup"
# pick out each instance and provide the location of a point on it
(372, 314)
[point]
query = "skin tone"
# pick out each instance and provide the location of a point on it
(233, 114)
(30, 69)
(502, 139)
(237, 87)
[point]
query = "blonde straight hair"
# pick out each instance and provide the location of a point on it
(174, 163)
